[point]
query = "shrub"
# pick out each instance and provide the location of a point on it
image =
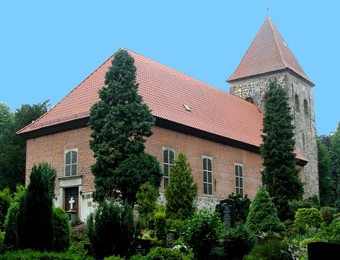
(327, 214)
(202, 232)
(262, 215)
(160, 226)
(35, 228)
(165, 253)
(11, 221)
(61, 230)
(111, 229)
(5, 201)
(237, 242)
(272, 250)
(330, 233)
(29, 254)
(306, 218)
(147, 201)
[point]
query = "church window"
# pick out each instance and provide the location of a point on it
(305, 105)
(168, 158)
(297, 103)
(71, 162)
(207, 175)
(239, 179)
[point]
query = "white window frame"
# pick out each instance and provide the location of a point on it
(71, 163)
(239, 180)
(166, 178)
(207, 183)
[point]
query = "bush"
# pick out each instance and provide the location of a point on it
(29, 254)
(11, 221)
(202, 232)
(237, 242)
(272, 250)
(262, 215)
(5, 201)
(160, 226)
(327, 214)
(35, 228)
(147, 200)
(330, 233)
(307, 218)
(157, 253)
(111, 230)
(61, 230)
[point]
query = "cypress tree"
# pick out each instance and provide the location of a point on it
(35, 228)
(120, 121)
(280, 176)
(181, 190)
(325, 181)
(335, 163)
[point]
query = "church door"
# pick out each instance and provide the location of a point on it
(72, 198)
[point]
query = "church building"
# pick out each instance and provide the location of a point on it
(219, 132)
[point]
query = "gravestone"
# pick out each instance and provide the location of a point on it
(323, 250)
(227, 208)
(71, 212)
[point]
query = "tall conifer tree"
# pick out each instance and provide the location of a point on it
(280, 176)
(181, 191)
(335, 159)
(120, 121)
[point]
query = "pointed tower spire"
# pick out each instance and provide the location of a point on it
(267, 53)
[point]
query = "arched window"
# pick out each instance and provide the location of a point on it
(168, 158)
(239, 179)
(297, 103)
(207, 175)
(305, 106)
(71, 162)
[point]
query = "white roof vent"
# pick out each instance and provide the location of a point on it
(187, 107)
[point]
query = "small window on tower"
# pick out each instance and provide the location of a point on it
(297, 103)
(305, 105)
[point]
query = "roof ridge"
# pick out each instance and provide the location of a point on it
(274, 30)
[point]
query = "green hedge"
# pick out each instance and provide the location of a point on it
(36, 255)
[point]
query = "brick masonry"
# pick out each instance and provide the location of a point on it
(51, 149)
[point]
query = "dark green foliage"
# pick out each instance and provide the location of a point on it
(36, 255)
(35, 228)
(158, 253)
(120, 121)
(326, 184)
(181, 190)
(133, 172)
(242, 204)
(5, 201)
(11, 222)
(203, 232)
(335, 162)
(330, 233)
(12, 146)
(327, 214)
(262, 215)
(111, 229)
(146, 201)
(307, 218)
(271, 250)
(280, 176)
(160, 226)
(237, 242)
(61, 230)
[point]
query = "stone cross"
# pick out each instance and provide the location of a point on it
(71, 201)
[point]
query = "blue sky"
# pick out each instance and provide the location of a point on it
(49, 47)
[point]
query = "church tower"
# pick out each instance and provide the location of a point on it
(269, 58)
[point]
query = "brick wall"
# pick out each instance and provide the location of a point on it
(51, 149)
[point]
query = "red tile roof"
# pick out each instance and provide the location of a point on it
(267, 53)
(166, 91)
